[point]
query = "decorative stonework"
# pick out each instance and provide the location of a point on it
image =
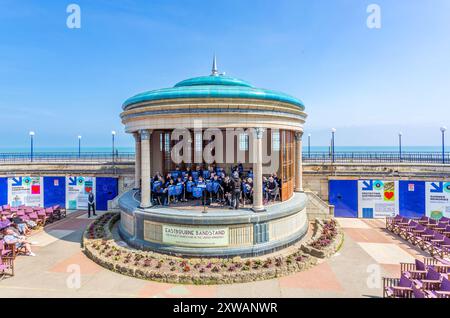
(100, 245)
(145, 134)
(259, 132)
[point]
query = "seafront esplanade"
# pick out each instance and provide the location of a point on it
(217, 123)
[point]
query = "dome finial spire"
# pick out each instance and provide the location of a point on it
(214, 72)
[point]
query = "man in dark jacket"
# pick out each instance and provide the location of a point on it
(236, 190)
(91, 204)
(228, 188)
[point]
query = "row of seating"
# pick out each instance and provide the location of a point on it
(15, 215)
(40, 215)
(427, 279)
(430, 235)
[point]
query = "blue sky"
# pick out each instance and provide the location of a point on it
(367, 83)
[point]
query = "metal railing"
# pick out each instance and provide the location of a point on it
(308, 157)
(67, 157)
(376, 157)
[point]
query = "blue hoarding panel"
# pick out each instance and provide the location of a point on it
(343, 194)
(54, 191)
(412, 198)
(105, 189)
(3, 191)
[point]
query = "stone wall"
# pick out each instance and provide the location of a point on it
(315, 176)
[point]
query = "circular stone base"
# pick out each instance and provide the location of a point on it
(218, 233)
(102, 244)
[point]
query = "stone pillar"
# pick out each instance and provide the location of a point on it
(298, 162)
(137, 165)
(258, 205)
(145, 169)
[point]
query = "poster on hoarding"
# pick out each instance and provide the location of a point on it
(377, 198)
(28, 191)
(77, 191)
(437, 200)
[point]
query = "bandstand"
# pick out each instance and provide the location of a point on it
(223, 121)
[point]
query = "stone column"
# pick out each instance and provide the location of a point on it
(145, 169)
(298, 162)
(137, 165)
(258, 205)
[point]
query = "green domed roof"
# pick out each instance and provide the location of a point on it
(213, 80)
(213, 86)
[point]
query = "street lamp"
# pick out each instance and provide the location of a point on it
(113, 134)
(443, 129)
(400, 145)
(79, 146)
(309, 145)
(333, 131)
(31, 144)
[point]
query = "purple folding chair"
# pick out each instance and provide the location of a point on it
(440, 227)
(59, 211)
(401, 225)
(397, 288)
(432, 280)
(4, 250)
(445, 220)
(432, 223)
(447, 231)
(6, 266)
(429, 244)
(392, 221)
(444, 291)
(407, 230)
(441, 247)
(427, 235)
(418, 293)
(416, 270)
(42, 215)
(423, 220)
(34, 217)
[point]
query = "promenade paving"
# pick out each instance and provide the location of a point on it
(369, 252)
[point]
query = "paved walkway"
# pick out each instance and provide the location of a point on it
(368, 253)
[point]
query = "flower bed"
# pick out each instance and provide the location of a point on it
(327, 239)
(100, 246)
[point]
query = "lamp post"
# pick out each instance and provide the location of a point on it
(333, 131)
(443, 129)
(79, 146)
(309, 146)
(400, 145)
(113, 134)
(31, 145)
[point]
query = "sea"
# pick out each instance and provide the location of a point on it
(122, 149)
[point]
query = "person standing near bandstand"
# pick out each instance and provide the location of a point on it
(91, 204)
